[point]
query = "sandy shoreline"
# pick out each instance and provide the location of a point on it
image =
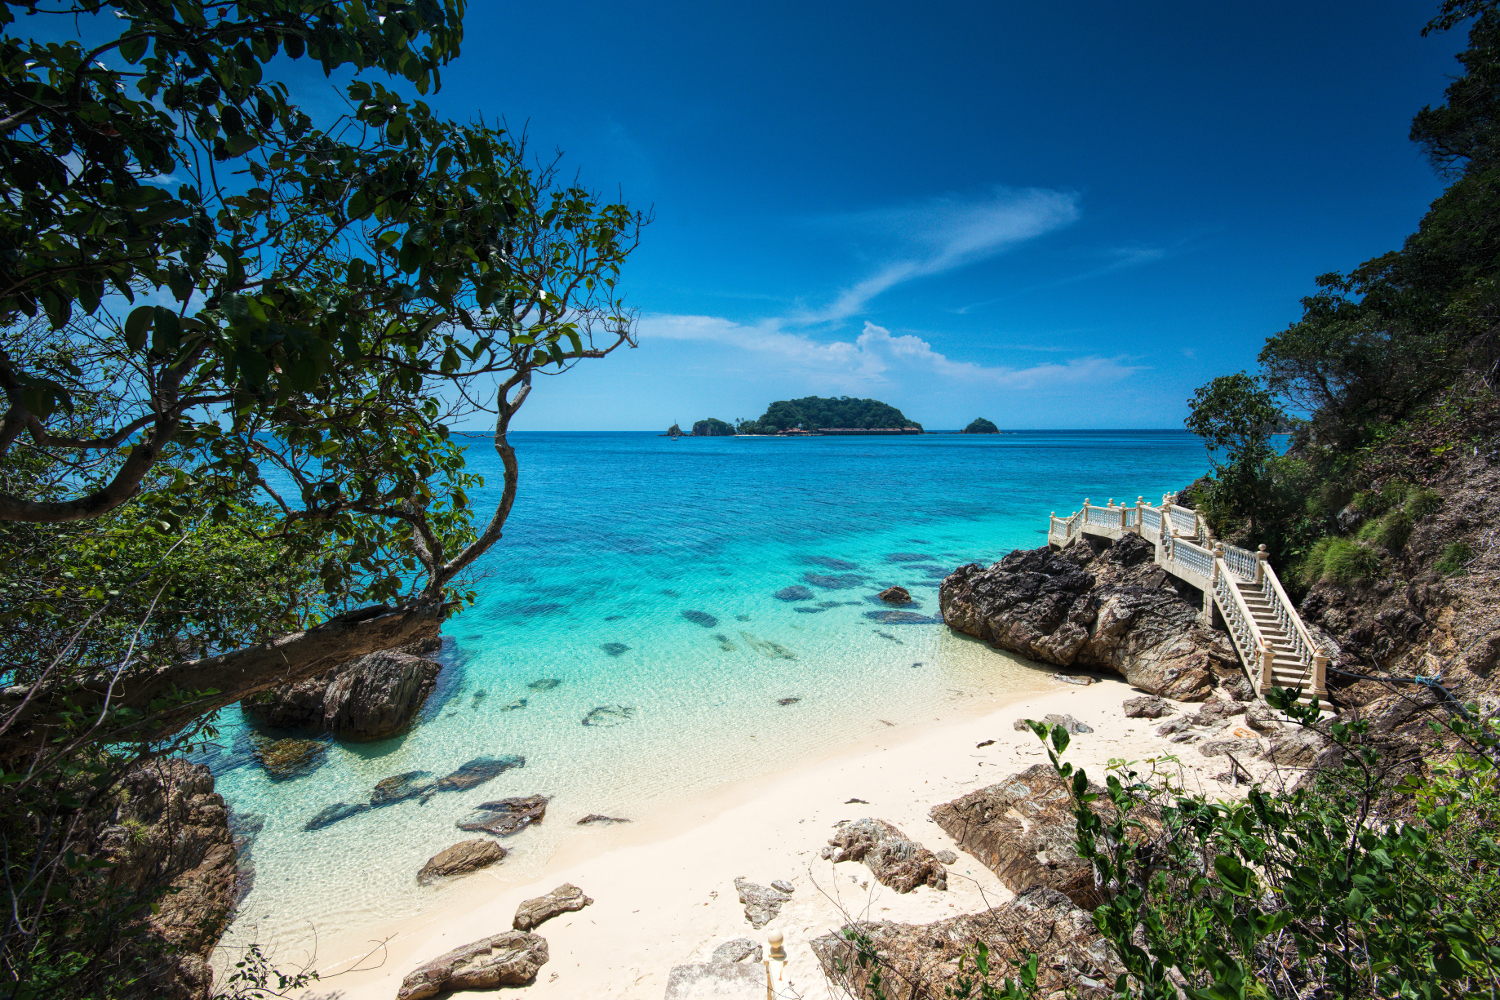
(664, 890)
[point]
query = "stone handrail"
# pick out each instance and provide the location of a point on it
(1242, 563)
(1195, 557)
(1314, 660)
(1185, 520)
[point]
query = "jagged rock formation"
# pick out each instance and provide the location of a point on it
(564, 899)
(460, 859)
(369, 698)
(920, 962)
(167, 827)
(509, 959)
(893, 858)
(761, 904)
(712, 428)
(1094, 604)
(1023, 830)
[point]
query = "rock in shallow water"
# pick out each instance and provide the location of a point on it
(332, 814)
(476, 772)
(460, 859)
(598, 819)
(902, 618)
(564, 899)
(284, 760)
(896, 595)
(609, 715)
(797, 593)
(368, 698)
(893, 859)
(509, 959)
(846, 581)
(504, 817)
(767, 648)
(545, 684)
(828, 562)
(398, 787)
(615, 648)
(701, 618)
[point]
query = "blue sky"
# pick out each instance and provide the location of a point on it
(1049, 215)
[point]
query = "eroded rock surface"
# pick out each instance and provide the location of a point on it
(473, 773)
(738, 950)
(895, 595)
(716, 981)
(167, 827)
(1073, 960)
(1147, 707)
(761, 903)
(1093, 604)
(1023, 830)
(893, 858)
(368, 698)
(509, 959)
(504, 817)
(564, 899)
(460, 859)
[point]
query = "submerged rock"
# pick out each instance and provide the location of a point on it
(725, 643)
(909, 557)
(609, 715)
(902, 618)
(514, 706)
(809, 611)
(476, 772)
(284, 760)
(545, 684)
(701, 618)
(892, 858)
(767, 648)
(797, 593)
(828, 562)
(847, 581)
(399, 787)
(896, 595)
(1073, 959)
(761, 904)
(509, 959)
(566, 898)
(332, 814)
(615, 648)
(787, 701)
(460, 859)
(598, 819)
(504, 817)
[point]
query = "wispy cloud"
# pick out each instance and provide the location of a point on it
(940, 234)
(878, 356)
(1115, 259)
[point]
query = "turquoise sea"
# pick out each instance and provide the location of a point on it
(643, 573)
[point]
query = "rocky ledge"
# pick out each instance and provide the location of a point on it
(368, 698)
(1098, 605)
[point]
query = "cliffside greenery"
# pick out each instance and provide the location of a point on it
(233, 335)
(712, 428)
(815, 412)
(981, 426)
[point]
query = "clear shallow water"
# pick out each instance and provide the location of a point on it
(613, 537)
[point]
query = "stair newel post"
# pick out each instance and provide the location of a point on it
(1213, 584)
(1267, 665)
(1320, 674)
(1051, 525)
(1261, 557)
(1140, 515)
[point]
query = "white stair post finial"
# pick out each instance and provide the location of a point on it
(1261, 558)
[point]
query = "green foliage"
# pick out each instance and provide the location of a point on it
(815, 412)
(1339, 561)
(1455, 559)
(1389, 532)
(1236, 417)
(981, 426)
(1297, 895)
(712, 428)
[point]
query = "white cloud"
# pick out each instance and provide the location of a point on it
(878, 357)
(941, 234)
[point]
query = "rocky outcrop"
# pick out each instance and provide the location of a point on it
(460, 859)
(1147, 707)
(504, 817)
(509, 959)
(896, 595)
(738, 950)
(921, 961)
(166, 836)
(284, 760)
(564, 899)
(370, 698)
(1023, 830)
(893, 859)
(761, 904)
(1094, 604)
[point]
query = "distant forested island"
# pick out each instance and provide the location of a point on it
(981, 426)
(815, 413)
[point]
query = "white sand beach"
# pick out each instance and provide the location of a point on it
(663, 889)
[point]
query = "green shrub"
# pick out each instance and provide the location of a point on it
(1421, 502)
(1455, 559)
(1339, 561)
(1390, 532)
(1373, 503)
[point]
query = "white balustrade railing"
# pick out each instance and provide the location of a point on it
(1108, 517)
(1184, 520)
(1193, 556)
(1241, 562)
(1247, 637)
(1300, 641)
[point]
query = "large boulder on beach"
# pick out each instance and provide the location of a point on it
(1023, 830)
(461, 859)
(566, 898)
(368, 698)
(508, 959)
(893, 858)
(1073, 960)
(1094, 604)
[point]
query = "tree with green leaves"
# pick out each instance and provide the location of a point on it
(1236, 417)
